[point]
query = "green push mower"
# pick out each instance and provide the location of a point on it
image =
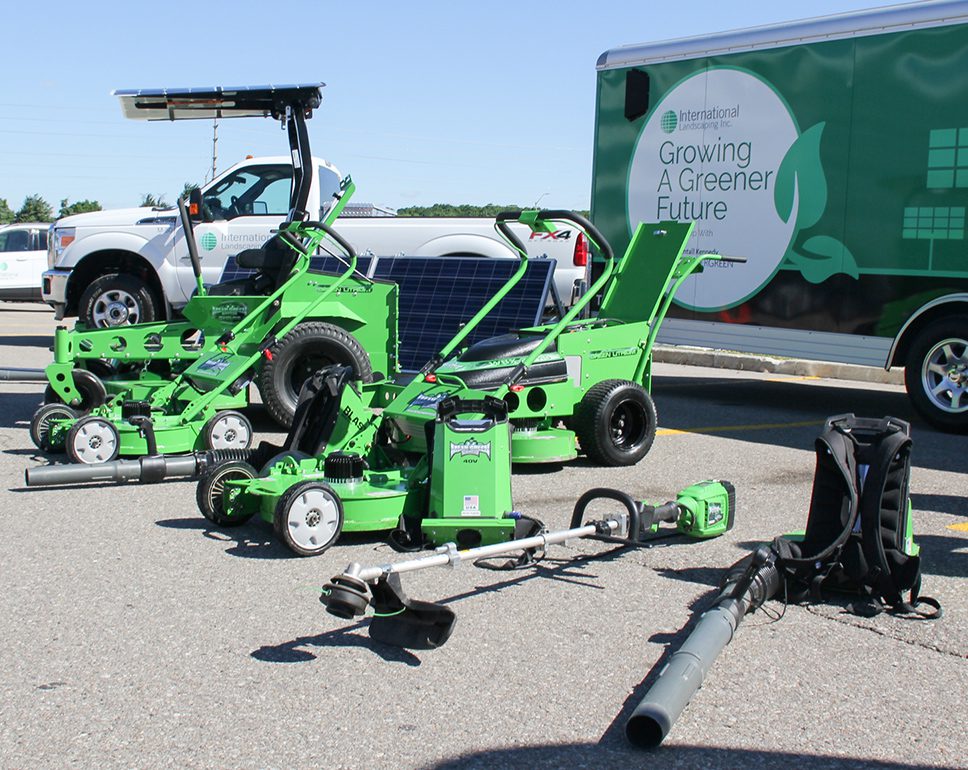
(433, 456)
(175, 387)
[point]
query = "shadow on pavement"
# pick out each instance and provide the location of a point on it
(615, 753)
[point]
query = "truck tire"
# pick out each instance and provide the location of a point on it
(615, 422)
(117, 299)
(936, 373)
(297, 356)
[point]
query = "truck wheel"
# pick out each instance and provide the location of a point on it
(220, 508)
(300, 354)
(308, 518)
(936, 373)
(117, 299)
(615, 422)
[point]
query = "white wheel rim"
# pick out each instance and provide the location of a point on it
(944, 375)
(312, 518)
(115, 308)
(229, 431)
(95, 442)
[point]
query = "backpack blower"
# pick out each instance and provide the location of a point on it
(858, 539)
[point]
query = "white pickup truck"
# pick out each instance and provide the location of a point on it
(124, 266)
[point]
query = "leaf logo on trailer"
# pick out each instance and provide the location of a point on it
(723, 149)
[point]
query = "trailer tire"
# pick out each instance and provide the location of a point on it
(297, 356)
(936, 373)
(117, 299)
(210, 493)
(615, 422)
(40, 425)
(308, 518)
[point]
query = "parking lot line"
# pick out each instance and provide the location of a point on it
(732, 428)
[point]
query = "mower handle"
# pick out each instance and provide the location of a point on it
(492, 408)
(340, 240)
(189, 229)
(565, 215)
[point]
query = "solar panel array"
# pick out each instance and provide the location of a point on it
(438, 295)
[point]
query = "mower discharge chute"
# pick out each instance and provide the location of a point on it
(429, 454)
(173, 387)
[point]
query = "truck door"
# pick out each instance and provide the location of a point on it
(243, 207)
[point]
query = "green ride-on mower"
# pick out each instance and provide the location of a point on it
(277, 326)
(427, 456)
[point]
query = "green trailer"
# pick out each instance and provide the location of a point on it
(833, 154)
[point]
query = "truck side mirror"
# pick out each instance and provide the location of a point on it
(197, 209)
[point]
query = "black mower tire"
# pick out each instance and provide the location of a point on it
(296, 506)
(615, 423)
(310, 346)
(40, 425)
(131, 297)
(209, 494)
(88, 385)
(942, 344)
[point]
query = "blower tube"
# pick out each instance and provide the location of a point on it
(750, 582)
(144, 469)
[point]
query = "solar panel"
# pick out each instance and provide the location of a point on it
(438, 295)
(215, 101)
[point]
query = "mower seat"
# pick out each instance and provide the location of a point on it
(272, 263)
(514, 345)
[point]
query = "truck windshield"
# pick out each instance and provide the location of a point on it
(254, 190)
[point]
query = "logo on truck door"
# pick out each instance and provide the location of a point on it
(723, 149)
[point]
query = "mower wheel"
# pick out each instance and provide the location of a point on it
(615, 422)
(228, 430)
(40, 425)
(93, 440)
(117, 299)
(218, 505)
(309, 518)
(295, 358)
(88, 385)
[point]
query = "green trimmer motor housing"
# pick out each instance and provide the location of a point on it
(470, 476)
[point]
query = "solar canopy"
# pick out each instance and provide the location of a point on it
(216, 101)
(438, 295)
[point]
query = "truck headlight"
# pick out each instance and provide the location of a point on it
(60, 238)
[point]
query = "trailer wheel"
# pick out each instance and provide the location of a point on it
(88, 385)
(615, 422)
(117, 299)
(296, 357)
(221, 506)
(936, 373)
(309, 518)
(93, 440)
(228, 430)
(40, 425)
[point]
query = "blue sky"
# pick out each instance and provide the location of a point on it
(425, 101)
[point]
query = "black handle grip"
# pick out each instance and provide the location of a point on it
(343, 243)
(492, 408)
(604, 493)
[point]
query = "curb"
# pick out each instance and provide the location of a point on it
(796, 367)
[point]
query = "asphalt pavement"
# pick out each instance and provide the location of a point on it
(135, 634)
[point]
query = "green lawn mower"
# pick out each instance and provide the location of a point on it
(433, 456)
(175, 387)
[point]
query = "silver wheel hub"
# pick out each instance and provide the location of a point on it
(944, 375)
(229, 432)
(95, 442)
(312, 519)
(115, 308)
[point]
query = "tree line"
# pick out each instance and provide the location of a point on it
(36, 209)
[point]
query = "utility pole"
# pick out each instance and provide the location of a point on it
(214, 145)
